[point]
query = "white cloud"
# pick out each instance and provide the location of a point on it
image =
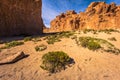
(48, 14)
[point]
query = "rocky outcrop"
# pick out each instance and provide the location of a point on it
(98, 15)
(20, 17)
(13, 58)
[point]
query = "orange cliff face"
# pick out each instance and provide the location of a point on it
(20, 17)
(98, 15)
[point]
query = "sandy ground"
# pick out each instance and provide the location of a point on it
(89, 65)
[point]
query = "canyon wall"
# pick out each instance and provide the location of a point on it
(20, 17)
(98, 15)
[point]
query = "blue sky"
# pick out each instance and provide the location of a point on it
(52, 8)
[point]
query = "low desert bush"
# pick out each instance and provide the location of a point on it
(89, 30)
(36, 39)
(13, 44)
(27, 39)
(90, 43)
(66, 34)
(93, 45)
(41, 47)
(96, 43)
(51, 39)
(115, 51)
(108, 31)
(55, 61)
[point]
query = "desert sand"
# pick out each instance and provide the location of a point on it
(89, 65)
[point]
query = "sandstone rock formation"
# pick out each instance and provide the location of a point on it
(20, 17)
(98, 15)
(13, 58)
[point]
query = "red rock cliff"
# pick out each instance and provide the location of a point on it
(98, 15)
(20, 17)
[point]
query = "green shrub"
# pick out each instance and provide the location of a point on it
(115, 51)
(90, 43)
(41, 47)
(66, 34)
(89, 30)
(93, 45)
(13, 44)
(96, 43)
(108, 31)
(55, 61)
(36, 39)
(27, 39)
(112, 30)
(51, 39)
(83, 41)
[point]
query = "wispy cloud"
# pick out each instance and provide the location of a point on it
(48, 13)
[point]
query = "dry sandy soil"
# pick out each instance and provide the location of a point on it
(89, 65)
